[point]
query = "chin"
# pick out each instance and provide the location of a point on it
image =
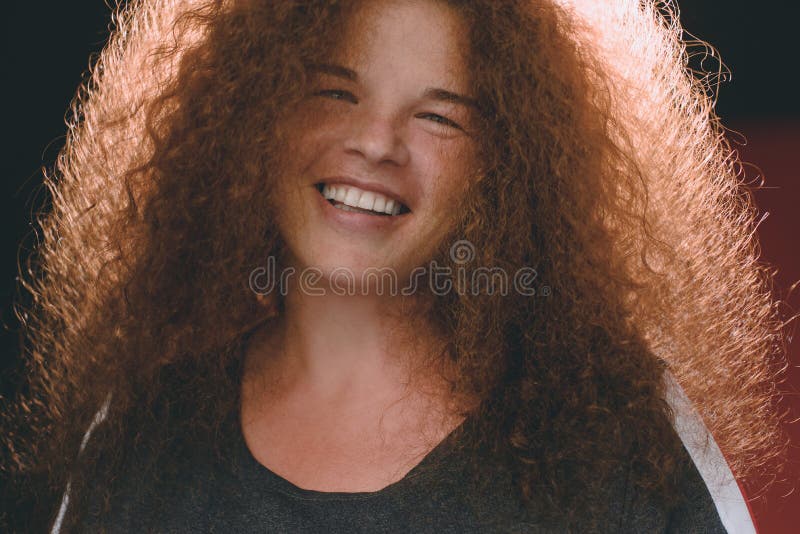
(351, 272)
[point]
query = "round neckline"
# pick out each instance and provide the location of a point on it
(261, 475)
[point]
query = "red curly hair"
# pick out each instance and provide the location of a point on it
(605, 168)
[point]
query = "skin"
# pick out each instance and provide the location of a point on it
(330, 400)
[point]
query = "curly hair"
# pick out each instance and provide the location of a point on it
(604, 167)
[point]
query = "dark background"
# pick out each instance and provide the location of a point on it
(46, 53)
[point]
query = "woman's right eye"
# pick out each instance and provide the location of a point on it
(337, 94)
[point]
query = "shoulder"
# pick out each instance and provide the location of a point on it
(695, 510)
(146, 483)
(708, 497)
(706, 473)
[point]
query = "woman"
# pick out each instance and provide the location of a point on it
(205, 305)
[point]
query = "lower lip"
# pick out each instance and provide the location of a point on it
(358, 221)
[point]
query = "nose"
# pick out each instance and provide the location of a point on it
(377, 138)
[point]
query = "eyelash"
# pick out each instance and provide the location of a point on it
(444, 120)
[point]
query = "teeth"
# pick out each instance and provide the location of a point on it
(340, 193)
(367, 200)
(380, 203)
(352, 197)
(358, 198)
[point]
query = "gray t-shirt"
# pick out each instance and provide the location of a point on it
(243, 496)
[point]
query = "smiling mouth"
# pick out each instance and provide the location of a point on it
(353, 199)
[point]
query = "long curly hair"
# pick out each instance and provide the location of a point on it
(604, 167)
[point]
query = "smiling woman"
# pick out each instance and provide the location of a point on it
(337, 139)
(338, 356)
(383, 116)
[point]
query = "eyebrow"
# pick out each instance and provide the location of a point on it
(433, 93)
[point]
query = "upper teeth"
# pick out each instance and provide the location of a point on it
(358, 198)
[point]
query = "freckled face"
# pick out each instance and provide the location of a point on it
(384, 113)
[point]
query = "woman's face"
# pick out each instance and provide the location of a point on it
(385, 123)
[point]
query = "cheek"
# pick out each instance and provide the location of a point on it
(299, 154)
(450, 172)
(303, 136)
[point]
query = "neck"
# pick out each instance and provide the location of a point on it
(342, 349)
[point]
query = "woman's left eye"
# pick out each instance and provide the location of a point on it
(441, 120)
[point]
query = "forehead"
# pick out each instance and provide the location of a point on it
(423, 38)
